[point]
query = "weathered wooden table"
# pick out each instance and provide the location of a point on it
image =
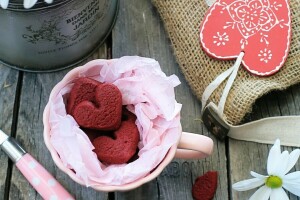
(138, 31)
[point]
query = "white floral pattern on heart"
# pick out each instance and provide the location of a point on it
(265, 55)
(221, 39)
(252, 16)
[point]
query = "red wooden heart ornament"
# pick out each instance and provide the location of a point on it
(104, 112)
(259, 28)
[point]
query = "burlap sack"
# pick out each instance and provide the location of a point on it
(182, 19)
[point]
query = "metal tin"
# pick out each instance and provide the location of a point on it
(51, 37)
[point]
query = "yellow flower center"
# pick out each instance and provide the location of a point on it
(274, 182)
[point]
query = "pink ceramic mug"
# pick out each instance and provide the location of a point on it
(190, 146)
(187, 146)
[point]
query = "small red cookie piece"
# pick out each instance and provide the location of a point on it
(83, 90)
(205, 186)
(121, 148)
(104, 112)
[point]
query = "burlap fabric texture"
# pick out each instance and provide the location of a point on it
(182, 19)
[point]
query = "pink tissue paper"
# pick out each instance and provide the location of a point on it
(146, 91)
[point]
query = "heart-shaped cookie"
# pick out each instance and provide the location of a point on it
(83, 90)
(104, 112)
(259, 28)
(121, 148)
(93, 134)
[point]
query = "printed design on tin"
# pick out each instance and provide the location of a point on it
(50, 30)
(260, 28)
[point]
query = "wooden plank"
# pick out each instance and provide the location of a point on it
(139, 31)
(249, 156)
(36, 88)
(8, 86)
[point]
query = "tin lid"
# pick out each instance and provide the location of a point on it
(40, 4)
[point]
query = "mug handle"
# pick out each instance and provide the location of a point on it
(194, 146)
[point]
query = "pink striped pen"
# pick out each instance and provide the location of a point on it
(42, 181)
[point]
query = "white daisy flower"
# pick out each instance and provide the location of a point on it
(4, 3)
(279, 164)
(27, 3)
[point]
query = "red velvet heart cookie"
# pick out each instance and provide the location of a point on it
(83, 90)
(104, 112)
(93, 134)
(121, 148)
(205, 186)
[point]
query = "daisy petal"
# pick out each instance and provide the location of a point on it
(4, 3)
(281, 166)
(248, 184)
(293, 177)
(29, 3)
(292, 187)
(273, 157)
(257, 175)
(293, 158)
(278, 194)
(48, 1)
(262, 193)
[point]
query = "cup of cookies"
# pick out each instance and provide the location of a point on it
(114, 125)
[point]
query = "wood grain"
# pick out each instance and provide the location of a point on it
(8, 87)
(139, 31)
(36, 88)
(250, 156)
